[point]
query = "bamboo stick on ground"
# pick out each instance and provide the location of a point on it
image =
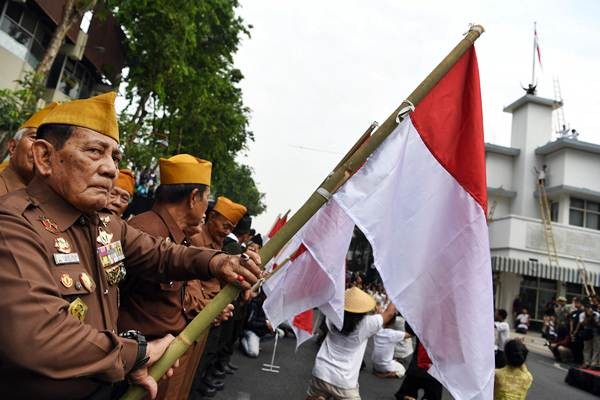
(346, 168)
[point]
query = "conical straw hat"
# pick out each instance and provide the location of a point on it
(358, 301)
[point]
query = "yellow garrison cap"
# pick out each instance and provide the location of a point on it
(36, 119)
(184, 168)
(125, 180)
(96, 113)
(230, 210)
(3, 165)
(358, 301)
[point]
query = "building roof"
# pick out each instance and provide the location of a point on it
(529, 98)
(507, 151)
(501, 192)
(566, 143)
(571, 190)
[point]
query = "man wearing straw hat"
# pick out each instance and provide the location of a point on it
(338, 361)
(19, 170)
(62, 261)
(121, 193)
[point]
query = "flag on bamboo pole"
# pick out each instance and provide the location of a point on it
(421, 201)
(312, 272)
(536, 45)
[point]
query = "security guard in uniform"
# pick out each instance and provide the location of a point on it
(62, 262)
(19, 170)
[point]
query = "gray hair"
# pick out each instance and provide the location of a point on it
(19, 135)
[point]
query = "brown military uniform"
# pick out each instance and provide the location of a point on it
(156, 308)
(148, 305)
(10, 181)
(52, 347)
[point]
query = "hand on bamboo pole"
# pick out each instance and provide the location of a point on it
(154, 351)
(242, 271)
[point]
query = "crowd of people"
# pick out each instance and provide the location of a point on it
(573, 330)
(91, 301)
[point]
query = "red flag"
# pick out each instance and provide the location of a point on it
(304, 321)
(279, 223)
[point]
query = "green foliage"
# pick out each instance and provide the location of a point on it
(17, 105)
(181, 88)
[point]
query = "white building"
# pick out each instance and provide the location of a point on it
(519, 253)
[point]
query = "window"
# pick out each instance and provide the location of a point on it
(584, 213)
(535, 294)
(25, 27)
(76, 80)
(554, 211)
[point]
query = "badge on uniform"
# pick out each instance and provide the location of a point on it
(70, 258)
(115, 274)
(78, 309)
(105, 220)
(49, 225)
(62, 245)
(66, 280)
(104, 237)
(111, 254)
(87, 282)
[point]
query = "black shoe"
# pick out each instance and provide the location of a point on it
(233, 366)
(216, 384)
(228, 370)
(205, 392)
(218, 373)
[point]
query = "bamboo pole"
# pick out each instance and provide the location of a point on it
(202, 321)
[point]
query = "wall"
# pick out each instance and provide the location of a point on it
(13, 65)
(499, 170)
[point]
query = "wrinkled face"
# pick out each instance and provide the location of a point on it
(219, 226)
(21, 159)
(82, 172)
(197, 208)
(118, 200)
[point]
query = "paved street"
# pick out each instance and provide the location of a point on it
(250, 383)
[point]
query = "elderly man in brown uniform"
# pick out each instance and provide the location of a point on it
(148, 305)
(121, 193)
(62, 261)
(20, 167)
(219, 223)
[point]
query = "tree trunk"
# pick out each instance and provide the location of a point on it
(73, 10)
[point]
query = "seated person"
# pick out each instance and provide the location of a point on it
(384, 343)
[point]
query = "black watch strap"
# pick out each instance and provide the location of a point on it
(140, 359)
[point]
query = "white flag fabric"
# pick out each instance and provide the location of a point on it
(315, 276)
(420, 200)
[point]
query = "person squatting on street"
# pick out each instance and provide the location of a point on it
(337, 365)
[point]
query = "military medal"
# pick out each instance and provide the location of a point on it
(49, 225)
(115, 274)
(66, 280)
(104, 237)
(62, 245)
(105, 220)
(78, 309)
(87, 282)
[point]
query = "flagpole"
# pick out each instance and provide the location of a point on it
(533, 63)
(202, 321)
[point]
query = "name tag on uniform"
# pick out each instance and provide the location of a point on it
(68, 258)
(111, 254)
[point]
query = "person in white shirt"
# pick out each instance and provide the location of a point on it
(523, 321)
(337, 365)
(384, 343)
(502, 332)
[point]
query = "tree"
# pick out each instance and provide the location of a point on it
(181, 88)
(73, 11)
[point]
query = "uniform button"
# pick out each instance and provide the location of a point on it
(77, 285)
(105, 292)
(82, 221)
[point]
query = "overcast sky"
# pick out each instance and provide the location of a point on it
(317, 73)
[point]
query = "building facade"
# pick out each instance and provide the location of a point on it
(524, 277)
(88, 63)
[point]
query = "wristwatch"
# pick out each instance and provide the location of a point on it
(140, 359)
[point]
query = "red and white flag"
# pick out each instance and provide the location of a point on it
(313, 275)
(536, 45)
(421, 201)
